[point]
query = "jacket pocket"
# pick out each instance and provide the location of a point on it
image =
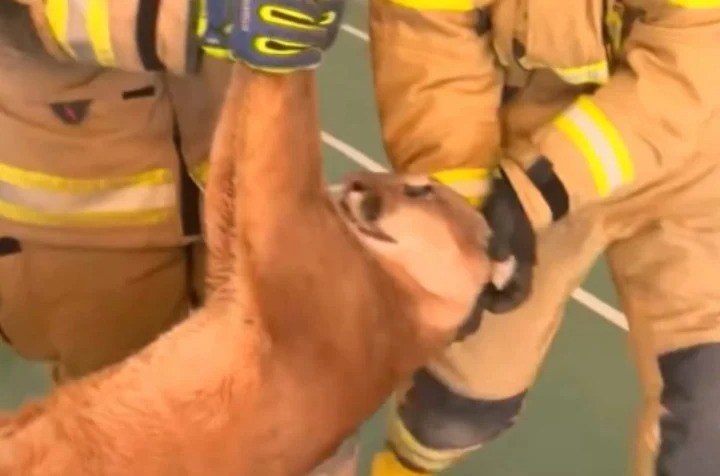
(566, 36)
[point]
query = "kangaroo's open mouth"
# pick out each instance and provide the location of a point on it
(363, 208)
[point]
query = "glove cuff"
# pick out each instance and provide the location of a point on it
(532, 200)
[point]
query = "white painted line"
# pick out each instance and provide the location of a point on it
(352, 153)
(600, 307)
(356, 32)
(585, 298)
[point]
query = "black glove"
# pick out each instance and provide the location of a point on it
(512, 237)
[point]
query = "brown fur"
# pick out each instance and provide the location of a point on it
(309, 324)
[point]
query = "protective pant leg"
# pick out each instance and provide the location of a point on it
(474, 391)
(84, 309)
(663, 241)
(667, 279)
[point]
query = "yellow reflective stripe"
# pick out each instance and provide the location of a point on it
(56, 12)
(614, 23)
(202, 22)
(199, 173)
(31, 216)
(267, 13)
(97, 24)
(37, 198)
(597, 73)
(445, 5)
(405, 444)
(261, 43)
(31, 179)
(471, 183)
(611, 134)
(587, 127)
(82, 27)
(695, 4)
(110, 200)
(461, 174)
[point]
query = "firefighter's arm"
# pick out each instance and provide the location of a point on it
(437, 89)
(648, 119)
(173, 35)
(134, 35)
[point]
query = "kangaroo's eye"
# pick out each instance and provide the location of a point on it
(417, 191)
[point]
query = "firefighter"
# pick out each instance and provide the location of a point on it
(598, 122)
(107, 110)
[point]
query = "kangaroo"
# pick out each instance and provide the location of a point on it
(318, 308)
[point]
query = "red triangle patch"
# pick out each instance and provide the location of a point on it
(73, 112)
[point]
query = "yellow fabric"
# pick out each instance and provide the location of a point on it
(599, 142)
(442, 5)
(38, 198)
(83, 29)
(695, 4)
(472, 183)
(419, 455)
(386, 463)
(97, 24)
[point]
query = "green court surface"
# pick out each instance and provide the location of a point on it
(580, 414)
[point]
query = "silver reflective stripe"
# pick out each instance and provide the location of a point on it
(130, 199)
(77, 36)
(602, 147)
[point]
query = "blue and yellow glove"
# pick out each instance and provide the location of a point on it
(271, 35)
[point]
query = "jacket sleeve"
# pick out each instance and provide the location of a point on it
(437, 89)
(650, 118)
(133, 35)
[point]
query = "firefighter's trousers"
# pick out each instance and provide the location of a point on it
(662, 242)
(82, 309)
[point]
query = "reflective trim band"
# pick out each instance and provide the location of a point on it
(695, 4)
(37, 198)
(82, 27)
(408, 448)
(443, 5)
(30, 216)
(199, 173)
(471, 183)
(596, 73)
(614, 23)
(587, 127)
(30, 179)
(56, 12)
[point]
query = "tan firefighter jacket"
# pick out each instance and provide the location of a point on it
(644, 73)
(108, 144)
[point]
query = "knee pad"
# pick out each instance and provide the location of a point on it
(434, 427)
(690, 424)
